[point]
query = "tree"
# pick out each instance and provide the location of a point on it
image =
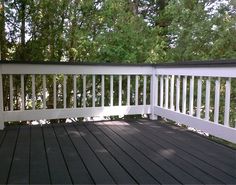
(197, 32)
(3, 41)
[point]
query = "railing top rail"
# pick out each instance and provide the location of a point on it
(73, 63)
(208, 63)
(189, 64)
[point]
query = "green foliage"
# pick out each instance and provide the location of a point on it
(200, 33)
(130, 31)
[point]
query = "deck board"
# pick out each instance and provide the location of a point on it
(77, 170)
(39, 172)
(58, 170)
(2, 135)
(7, 153)
(163, 153)
(186, 152)
(168, 165)
(127, 162)
(19, 173)
(112, 152)
(156, 171)
(202, 148)
(117, 172)
(98, 172)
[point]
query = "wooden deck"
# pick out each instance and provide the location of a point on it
(116, 152)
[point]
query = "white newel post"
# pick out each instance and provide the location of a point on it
(1, 101)
(153, 94)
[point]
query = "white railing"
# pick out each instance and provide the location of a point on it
(89, 88)
(200, 96)
(194, 95)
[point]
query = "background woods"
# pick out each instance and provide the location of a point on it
(133, 31)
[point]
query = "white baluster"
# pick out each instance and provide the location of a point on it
(54, 92)
(136, 89)
(167, 92)
(128, 90)
(103, 90)
(217, 100)
(1, 103)
(22, 92)
(227, 101)
(172, 84)
(111, 90)
(177, 93)
(161, 90)
(184, 94)
(75, 90)
(208, 93)
(144, 89)
(33, 92)
(199, 96)
(11, 93)
(84, 90)
(94, 93)
(120, 90)
(64, 91)
(191, 95)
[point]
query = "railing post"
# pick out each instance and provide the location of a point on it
(1, 101)
(153, 94)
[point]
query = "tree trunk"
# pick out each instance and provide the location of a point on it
(2, 31)
(22, 29)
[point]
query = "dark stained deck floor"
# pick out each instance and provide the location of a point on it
(115, 152)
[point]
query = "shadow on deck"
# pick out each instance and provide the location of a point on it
(115, 152)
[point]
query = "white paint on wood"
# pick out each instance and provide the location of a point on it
(215, 71)
(33, 92)
(172, 84)
(75, 90)
(84, 91)
(207, 101)
(44, 92)
(64, 91)
(54, 91)
(1, 102)
(227, 102)
(166, 92)
(120, 90)
(177, 93)
(76, 112)
(11, 92)
(111, 90)
(223, 131)
(94, 92)
(191, 96)
(22, 81)
(199, 96)
(103, 90)
(157, 91)
(184, 94)
(217, 130)
(144, 89)
(161, 90)
(76, 69)
(1, 94)
(136, 89)
(128, 90)
(153, 95)
(217, 100)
